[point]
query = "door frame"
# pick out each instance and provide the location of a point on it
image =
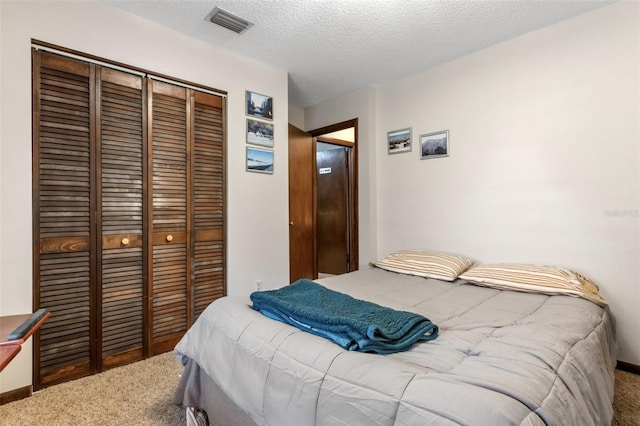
(353, 184)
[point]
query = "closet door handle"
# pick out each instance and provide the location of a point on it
(125, 241)
(169, 238)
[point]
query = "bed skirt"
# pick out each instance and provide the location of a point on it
(197, 391)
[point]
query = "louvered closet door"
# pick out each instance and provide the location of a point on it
(129, 214)
(120, 191)
(63, 224)
(170, 271)
(208, 201)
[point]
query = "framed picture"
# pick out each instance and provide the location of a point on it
(258, 105)
(434, 145)
(259, 133)
(259, 160)
(399, 141)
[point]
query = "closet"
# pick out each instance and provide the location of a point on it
(128, 213)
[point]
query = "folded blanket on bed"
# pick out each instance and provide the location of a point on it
(354, 324)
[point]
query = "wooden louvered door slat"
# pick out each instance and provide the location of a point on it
(120, 191)
(169, 268)
(63, 131)
(208, 202)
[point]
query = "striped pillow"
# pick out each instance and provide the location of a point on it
(428, 264)
(550, 280)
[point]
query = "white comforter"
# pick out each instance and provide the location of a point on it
(501, 358)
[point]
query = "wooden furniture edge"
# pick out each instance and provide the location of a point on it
(628, 367)
(10, 348)
(29, 333)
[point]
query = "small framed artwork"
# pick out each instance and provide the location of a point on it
(258, 105)
(259, 160)
(434, 145)
(399, 141)
(259, 133)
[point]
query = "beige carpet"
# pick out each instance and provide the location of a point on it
(141, 394)
(626, 400)
(136, 394)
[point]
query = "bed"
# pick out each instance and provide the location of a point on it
(502, 357)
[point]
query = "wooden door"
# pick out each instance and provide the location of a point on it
(187, 192)
(120, 269)
(129, 214)
(302, 246)
(323, 135)
(208, 171)
(169, 269)
(333, 214)
(64, 225)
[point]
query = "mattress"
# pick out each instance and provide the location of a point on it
(502, 357)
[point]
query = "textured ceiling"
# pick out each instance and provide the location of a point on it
(331, 47)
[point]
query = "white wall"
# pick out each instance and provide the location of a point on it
(359, 104)
(544, 157)
(257, 204)
(296, 116)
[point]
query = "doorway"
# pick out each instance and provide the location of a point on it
(332, 214)
(323, 200)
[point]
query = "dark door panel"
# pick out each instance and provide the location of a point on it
(333, 224)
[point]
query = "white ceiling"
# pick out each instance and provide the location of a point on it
(331, 47)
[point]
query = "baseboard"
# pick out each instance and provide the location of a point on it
(628, 367)
(15, 395)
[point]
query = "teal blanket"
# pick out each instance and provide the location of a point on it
(354, 324)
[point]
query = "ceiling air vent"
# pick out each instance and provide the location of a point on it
(229, 20)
